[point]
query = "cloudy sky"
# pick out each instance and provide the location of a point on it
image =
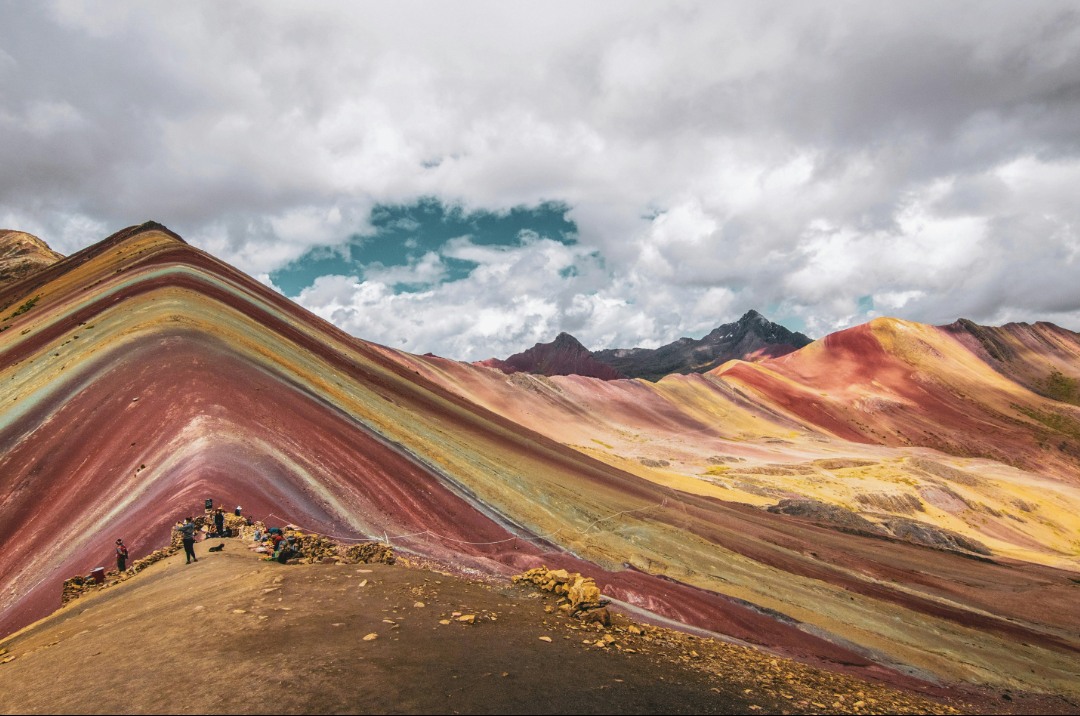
(469, 179)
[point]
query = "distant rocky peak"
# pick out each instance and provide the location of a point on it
(752, 337)
(563, 356)
(565, 341)
(22, 255)
(21, 244)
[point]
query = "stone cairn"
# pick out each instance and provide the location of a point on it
(315, 548)
(578, 596)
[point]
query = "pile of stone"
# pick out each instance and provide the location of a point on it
(370, 553)
(578, 596)
(242, 529)
(312, 548)
(236, 525)
(77, 586)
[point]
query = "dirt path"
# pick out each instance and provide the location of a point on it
(232, 634)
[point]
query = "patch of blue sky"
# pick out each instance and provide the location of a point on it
(782, 314)
(404, 233)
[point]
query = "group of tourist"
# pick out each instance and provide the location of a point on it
(187, 530)
(278, 546)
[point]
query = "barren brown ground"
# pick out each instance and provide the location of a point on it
(234, 634)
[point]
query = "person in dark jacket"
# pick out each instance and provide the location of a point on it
(219, 522)
(121, 555)
(187, 534)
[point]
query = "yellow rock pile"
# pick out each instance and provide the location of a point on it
(77, 586)
(237, 525)
(370, 552)
(578, 594)
(313, 548)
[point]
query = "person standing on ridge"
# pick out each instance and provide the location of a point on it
(121, 555)
(187, 534)
(219, 522)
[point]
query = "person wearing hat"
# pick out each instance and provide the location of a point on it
(121, 555)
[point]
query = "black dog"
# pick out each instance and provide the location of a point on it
(219, 548)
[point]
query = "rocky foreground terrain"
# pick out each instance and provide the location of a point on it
(232, 633)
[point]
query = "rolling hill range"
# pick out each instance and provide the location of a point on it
(922, 500)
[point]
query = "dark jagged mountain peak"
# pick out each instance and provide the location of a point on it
(752, 338)
(563, 356)
(565, 341)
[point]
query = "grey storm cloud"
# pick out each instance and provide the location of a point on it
(806, 159)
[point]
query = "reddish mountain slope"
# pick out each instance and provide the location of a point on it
(898, 383)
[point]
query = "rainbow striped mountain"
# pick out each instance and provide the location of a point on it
(895, 499)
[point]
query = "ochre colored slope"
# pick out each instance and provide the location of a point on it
(1042, 357)
(147, 375)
